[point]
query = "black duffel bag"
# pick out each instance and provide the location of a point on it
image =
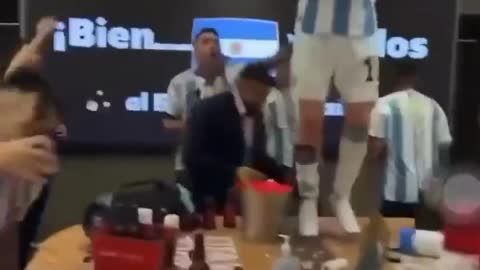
(162, 196)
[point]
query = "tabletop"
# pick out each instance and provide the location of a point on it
(67, 249)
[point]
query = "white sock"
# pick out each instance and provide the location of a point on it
(345, 215)
(350, 162)
(308, 217)
(308, 186)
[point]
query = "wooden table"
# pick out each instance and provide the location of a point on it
(66, 249)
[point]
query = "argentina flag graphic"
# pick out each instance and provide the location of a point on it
(243, 40)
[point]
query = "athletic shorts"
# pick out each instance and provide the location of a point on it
(316, 60)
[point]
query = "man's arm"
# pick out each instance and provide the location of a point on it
(269, 166)
(433, 187)
(175, 106)
(374, 163)
(31, 55)
(281, 57)
(263, 161)
(443, 138)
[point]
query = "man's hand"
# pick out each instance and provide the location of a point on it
(31, 55)
(44, 34)
(32, 159)
(283, 56)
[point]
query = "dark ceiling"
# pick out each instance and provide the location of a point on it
(8, 11)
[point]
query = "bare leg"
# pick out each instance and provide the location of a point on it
(353, 148)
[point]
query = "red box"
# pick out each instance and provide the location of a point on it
(124, 253)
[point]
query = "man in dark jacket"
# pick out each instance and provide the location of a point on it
(226, 132)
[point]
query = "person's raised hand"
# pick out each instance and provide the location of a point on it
(46, 26)
(31, 55)
(44, 34)
(31, 159)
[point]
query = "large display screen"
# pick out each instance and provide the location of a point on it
(112, 61)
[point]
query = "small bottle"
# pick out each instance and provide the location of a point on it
(287, 261)
(420, 242)
(170, 249)
(229, 212)
(198, 256)
(191, 222)
(171, 227)
(209, 215)
(99, 225)
(145, 219)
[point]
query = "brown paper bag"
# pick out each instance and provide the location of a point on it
(246, 174)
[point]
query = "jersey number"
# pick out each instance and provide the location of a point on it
(368, 63)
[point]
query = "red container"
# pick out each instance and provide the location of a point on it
(124, 253)
(270, 186)
(463, 238)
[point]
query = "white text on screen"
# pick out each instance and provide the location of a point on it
(87, 33)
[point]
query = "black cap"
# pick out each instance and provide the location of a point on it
(259, 72)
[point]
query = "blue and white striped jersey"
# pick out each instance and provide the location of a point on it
(350, 18)
(413, 126)
(280, 126)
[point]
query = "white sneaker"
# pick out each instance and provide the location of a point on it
(345, 215)
(308, 218)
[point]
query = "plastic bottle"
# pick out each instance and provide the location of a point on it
(209, 215)
(145, 219)
(287, 261)
(171, 227)
(229, 212)
(420, 242)
(99, 225)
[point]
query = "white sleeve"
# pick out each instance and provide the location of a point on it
(378, 122)
(175, 102)
(277, 101)
(442, 129)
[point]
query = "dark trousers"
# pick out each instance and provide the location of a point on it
(29, 226)
(398, 209)
(425, 217)
(9, 247)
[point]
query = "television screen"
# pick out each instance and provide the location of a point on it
(112, 61)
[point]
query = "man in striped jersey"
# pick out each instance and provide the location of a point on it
(410, 139)
(279, 113)
(192, 85)
(332, 40)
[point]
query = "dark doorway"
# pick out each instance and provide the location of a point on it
(466, 116)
